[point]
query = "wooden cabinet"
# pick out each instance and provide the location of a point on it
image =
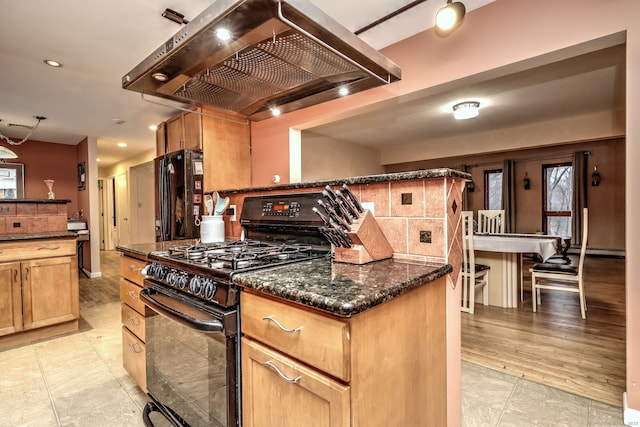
(224, 139)
(10, 298)
(133, 313)
(383, 367)
(39, 295)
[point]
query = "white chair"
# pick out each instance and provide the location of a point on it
(474, 275)
(491, 221)
(562, 277)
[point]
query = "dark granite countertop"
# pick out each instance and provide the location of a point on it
(36, 236)
(141, 250)
(342, 289)
(367, 179)
(53, 201)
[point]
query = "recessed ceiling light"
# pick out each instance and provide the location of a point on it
(343, 91)
(53, 63)
(466, 110)
(122, 144)
(117, 121)
(275, 111)
(153, 127)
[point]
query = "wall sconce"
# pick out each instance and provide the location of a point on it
(595, 177)
(471, 186)
(526, 182)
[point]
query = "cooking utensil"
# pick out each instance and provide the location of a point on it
(352, 197)
(222, 205)
(208, 205)
(334, 216)
(215, 196)
(332, 200)
(353, 212)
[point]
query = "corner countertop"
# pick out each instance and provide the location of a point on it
(36, 236)
(141, 250)
(366, 179)
(50, 201)
(342, 289)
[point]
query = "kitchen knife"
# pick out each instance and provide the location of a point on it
(343, 238)
(326, 232)
(353, 212)
(332, 200)
(353, 198)
(334, 216)
(322, 216)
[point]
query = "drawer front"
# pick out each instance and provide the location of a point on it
(34, 249)
(134, 321)
(133, 358)
(318, 340)
(131, 269)
(130, 295)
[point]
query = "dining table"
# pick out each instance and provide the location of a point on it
(503, 252)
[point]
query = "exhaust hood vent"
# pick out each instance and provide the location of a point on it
(286, 54)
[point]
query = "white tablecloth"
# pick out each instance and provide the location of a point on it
(545, 246)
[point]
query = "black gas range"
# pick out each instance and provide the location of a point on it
(192, 344)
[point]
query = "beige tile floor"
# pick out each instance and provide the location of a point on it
(78, 380)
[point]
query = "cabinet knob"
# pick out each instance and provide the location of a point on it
(273, 319)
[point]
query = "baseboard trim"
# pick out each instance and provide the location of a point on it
(92, 275)
(631, 416)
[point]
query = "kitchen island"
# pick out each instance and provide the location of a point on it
(344, 345)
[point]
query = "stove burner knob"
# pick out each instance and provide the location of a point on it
(209, 289)
(171, 278)
(195, 286)
(162, 272)
(181, 281)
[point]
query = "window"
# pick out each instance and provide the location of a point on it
(493, 189)
(558, 199)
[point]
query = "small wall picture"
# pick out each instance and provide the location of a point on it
(82, 176)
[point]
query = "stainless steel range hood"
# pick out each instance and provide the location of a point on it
(286, 54)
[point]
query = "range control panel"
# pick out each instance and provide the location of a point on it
(282, 209)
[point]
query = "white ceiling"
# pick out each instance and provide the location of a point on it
(99, 41)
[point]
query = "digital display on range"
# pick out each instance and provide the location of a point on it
(281, 207)
(291, 209)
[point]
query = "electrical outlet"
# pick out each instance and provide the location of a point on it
(425, 236)
(407, 198)
(368, 206)
(231, 212)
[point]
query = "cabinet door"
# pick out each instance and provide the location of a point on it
(278, 391)
(192, 131)
(175, 139)
(50, 291)
(10, 299)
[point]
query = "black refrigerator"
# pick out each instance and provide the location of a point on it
(178, 183)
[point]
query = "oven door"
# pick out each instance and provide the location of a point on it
(191, 355)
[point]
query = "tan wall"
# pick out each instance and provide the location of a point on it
(606, 202)
(324, 158)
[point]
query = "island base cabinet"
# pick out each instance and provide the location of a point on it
(277, 391)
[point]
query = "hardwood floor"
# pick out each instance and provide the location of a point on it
(555, 346)
(105, 289)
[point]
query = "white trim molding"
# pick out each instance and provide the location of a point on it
(631, 416)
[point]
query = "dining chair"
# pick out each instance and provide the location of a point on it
(474, 275)
(491, 220)
(562, 277)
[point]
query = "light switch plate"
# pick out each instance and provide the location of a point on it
(369, 206)
(425, 236)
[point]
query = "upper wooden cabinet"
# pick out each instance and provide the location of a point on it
(226, 145)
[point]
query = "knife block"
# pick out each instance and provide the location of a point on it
(369, 242)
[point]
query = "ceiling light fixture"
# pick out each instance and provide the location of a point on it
(275, 111)
(343, 91)
(174, 16)
(223, 34)
(27, 136)
(466, 110)
(449, 17)
(161, 77)
(52, 63)
(122, 144)
(6, 153)
(153, 127)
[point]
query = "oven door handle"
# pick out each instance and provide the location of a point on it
(204, 325)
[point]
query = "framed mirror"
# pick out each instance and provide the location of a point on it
(11, 181)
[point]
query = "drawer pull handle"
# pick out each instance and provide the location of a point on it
(48, 248)
(134, 349)
(271, 318)
(269, 364)
(132, 295)
(134, 268)
(134, 321)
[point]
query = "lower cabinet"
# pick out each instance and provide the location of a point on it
(39, 295)
(383, 367)
(133, 319)
(274, 384)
